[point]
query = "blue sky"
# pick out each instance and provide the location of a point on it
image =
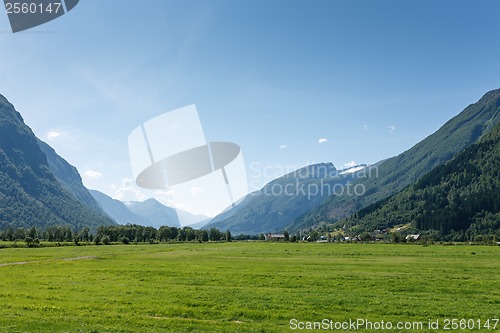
(370, 78)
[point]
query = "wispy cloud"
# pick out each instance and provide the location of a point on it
(52, 135)
(322, 140)
(166, 197)
(128, 192)
(364, 128)
(282, 147)
(67, 140)
(350, 164)
(391, 128)
(92, 175)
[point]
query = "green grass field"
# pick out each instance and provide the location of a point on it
(245, 287)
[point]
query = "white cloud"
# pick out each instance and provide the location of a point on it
(52, 135)
(127, 191)
(91, 174)
(168, 194)
(391, 128)
(322, 140)
(282, 147)
(350, 164)
(166, 197)
(364, 128)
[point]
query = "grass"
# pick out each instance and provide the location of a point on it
(243, 286)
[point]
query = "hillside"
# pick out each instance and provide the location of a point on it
(117, 210)
(30, 194)
(68, 176)
(396, 173)
(461, 197)
(157, 214)
(276, 205)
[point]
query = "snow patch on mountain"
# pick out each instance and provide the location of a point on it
(353, 169)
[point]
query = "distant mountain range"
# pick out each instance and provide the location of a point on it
(282, 200)
(460, 198)
(38, 187)
(147, 213)
(117, 210)
(156, 213)
(396, 173)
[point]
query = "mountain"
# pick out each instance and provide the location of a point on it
(396, 173)
(68, 177)
(284, 199)
(147, 213)
(460, 198)
(201, 224)
(30, 194)
(117, 210)
(157, 214)
(194, 221)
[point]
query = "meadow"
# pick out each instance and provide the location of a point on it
(249, 287)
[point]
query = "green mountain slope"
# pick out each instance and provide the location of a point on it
(396, 173)
(461, 197)
(281, 201)
(30, 194)
(68, 176)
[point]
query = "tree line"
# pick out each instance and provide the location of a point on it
(130, 233)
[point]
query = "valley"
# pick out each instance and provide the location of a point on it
(244, 286)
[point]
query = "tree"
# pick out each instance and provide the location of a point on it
(8, 234)
(396, 237)
(68, 235)
(287, 235)
(84, 234)
(214, 234)
(29, 241)
(32, 232)
(204, 236)
(181, 235)
(228, 236)
(149, 234)
(19, 234)
(190, 235)
(106, 240)
(365, 237)
(313, 236)
(164, 233)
